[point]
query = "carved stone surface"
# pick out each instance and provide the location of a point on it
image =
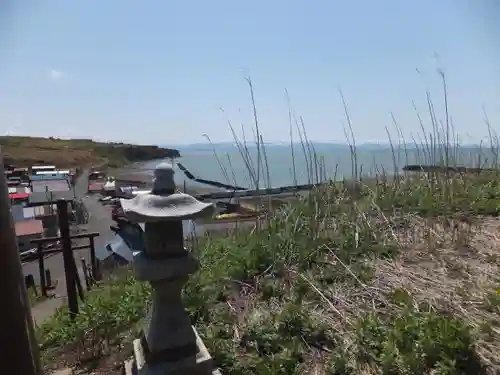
(163, 203)
(169, 343)
(203, 364)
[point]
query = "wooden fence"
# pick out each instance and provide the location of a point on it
(73, 283)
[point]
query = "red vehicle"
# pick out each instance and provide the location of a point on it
(96, 179)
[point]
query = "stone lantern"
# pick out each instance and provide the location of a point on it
(169, 344)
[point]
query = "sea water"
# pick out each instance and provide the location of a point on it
(225, 163)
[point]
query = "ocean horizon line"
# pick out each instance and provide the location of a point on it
(365, 145)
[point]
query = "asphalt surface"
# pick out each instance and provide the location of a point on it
(99, 221)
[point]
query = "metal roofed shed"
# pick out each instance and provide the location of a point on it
(52, 173)
(95, 187)
(39, 211)
(28, 227)
(52, 185)
(18, 196)
(27, 230)
(37, 198)
(19, 189)
(43, 167)
(52, 176)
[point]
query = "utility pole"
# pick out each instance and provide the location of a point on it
(18, 346)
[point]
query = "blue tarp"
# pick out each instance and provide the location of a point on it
(129, 239)
(118, 247)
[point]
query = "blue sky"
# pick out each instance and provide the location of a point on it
(160, 71)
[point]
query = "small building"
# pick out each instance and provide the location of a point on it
(19, 189)
(97, 176)
(47, 214)
(49, 185)
(40, 198)
(47, 177)
(95, 187)
(38, 212)
(45, 173)
(19, 198)
(53, 173)
(39, 168)
(26, 231)
(14, 180)
(22, 173)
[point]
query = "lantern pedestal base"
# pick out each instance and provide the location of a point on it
(202, 364)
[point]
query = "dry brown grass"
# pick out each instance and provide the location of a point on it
(395, 276)
(306, 292)
(383, 279)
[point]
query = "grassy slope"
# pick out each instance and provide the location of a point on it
(26, 151)
(398, 277)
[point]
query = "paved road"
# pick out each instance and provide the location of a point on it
(99, 221)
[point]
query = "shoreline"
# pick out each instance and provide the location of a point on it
(143, 178)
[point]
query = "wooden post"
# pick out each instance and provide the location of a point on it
(85, 273)
(48, 279)
(93, 261)
(41, 267)
(89, 272)
(62, 216)
(30, 283)
(19, 346)
(78, 282)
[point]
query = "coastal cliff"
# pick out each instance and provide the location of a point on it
(27, 151)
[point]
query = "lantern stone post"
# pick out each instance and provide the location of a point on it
(169, 344)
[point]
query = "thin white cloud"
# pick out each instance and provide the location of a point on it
(57, 75)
